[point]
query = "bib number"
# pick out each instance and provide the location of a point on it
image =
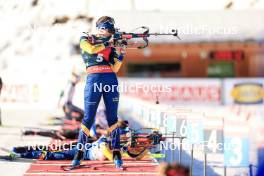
(99, 58)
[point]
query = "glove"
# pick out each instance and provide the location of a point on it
(122, 43)
(106, 44)
(90, 38)
(122, 50)
(109, 42)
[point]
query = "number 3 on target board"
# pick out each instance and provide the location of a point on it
(236, 151)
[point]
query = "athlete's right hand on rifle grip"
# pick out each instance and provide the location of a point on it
(111, 42)
(122, 50)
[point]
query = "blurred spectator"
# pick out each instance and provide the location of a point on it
(174, 169)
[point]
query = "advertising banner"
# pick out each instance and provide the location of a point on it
(243, 91)
(173, 91)
(30, 93)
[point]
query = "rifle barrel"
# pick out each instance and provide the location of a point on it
(156, 34)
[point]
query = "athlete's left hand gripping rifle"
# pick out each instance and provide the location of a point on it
(120, 38)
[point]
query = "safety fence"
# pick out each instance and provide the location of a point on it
(217, 140)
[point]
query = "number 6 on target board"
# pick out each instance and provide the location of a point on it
(195, 129)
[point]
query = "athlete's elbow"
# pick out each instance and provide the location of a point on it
(115, 70)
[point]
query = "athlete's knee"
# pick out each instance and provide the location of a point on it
(115, 99)
(90, 103)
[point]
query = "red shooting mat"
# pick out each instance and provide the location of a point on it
(132, 167)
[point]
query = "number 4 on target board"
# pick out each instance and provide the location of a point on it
(213, 135)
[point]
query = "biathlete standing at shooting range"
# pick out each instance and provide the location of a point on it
(102, 62)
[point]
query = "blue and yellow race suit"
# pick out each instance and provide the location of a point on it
(102, 62)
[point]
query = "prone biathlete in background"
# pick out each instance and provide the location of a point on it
(98, 150)
(66, 132)
(102, 62)
(71, 111)
(71, 130)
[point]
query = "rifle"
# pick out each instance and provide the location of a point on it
(120, 38)
(143, 139)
